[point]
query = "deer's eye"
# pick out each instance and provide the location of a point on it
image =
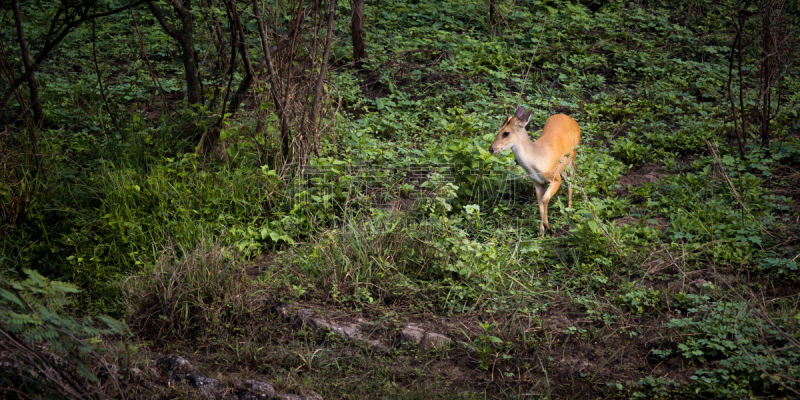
(505, 134)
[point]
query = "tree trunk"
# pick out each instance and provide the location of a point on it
(249, 71)
(767, 56)
(492, 15)
(33, 87)
(357, 32)
(193, 91)
(184, 37)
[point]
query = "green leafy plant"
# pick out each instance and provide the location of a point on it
(486, 344)
(34, 312)
(637, 298)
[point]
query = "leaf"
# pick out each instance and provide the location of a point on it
(11, 296)
(5, 191)
(494, 339)
(275, 236)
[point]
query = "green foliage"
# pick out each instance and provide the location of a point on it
(741, 342)
(637, 298)
(700, 212)
(651, 387)
(127, 199)
(35, 311)
(486, 344)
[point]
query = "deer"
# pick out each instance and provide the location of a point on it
(546, 160)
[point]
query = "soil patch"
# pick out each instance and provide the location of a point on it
(638, 177)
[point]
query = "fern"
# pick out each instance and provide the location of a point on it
(34, 311)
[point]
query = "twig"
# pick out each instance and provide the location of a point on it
(324, 66)
(672, 259)
(733, 189)
(530, 64)
(99, 78)
(150, 69)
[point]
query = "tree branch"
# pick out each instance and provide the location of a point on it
(50, 45)
(161, 20)
(178, 6)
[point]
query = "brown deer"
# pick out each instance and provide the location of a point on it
(547, 159)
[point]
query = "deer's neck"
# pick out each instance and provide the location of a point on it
(529, 157)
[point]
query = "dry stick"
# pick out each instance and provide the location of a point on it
(764, 317)
(150, 69)
(733, 189)
(730, 97)
(205, 55)
(325, 55)
(99, 78)
(232, 68)
(113, 377)
(247, 80)
(17, 392)
(530, 64)
(761, 313)
(673, 262)
(33, 87)
(25, 348)
(21, 100)
(741, 74)
(315, 35)
(335, 112)
(46, 368)
(285, 124)
(273, 75)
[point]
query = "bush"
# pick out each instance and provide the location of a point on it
(201, 293)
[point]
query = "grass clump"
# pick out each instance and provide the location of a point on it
(191, 295)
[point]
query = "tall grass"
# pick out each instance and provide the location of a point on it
(201, 292)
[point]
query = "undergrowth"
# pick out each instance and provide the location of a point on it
(681, 284)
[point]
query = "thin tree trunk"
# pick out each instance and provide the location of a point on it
(732, 100)
(739, 28)
(33, 87)
(249, 71)
(357, 32)
(492, 15)
(286, 127)
(766, 69)
(31, 129)
(269, 61)
(100, 78)
(184, 37)
(193, 91)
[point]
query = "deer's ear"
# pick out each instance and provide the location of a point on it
(527, 117)
(523, 117)
(520, 114)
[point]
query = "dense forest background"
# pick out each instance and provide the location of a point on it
(192, 177)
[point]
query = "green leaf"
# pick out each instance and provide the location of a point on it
(12, 297)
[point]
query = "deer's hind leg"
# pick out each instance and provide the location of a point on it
(571, 169)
